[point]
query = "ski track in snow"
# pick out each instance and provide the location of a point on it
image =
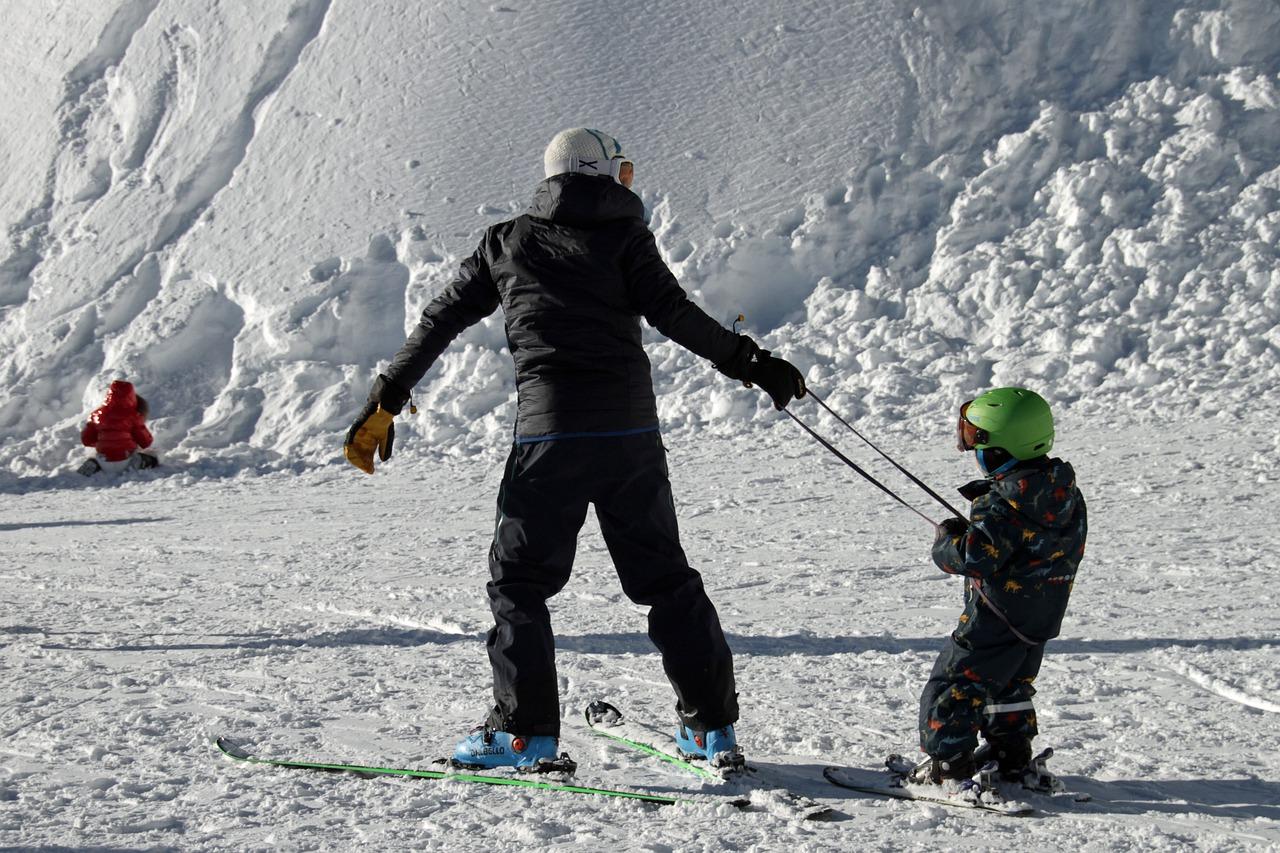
(1223, 689)
(334, 616)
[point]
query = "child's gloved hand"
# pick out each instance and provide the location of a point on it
(952, 527)
(374, 429)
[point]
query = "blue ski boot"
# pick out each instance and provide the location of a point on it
(718, 746)
(485, 749)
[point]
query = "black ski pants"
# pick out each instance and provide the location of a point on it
(542, 505)
(982, 683)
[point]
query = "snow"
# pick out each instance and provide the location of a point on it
(339, 618)
(243, 207)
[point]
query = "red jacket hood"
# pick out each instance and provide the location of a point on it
(121, 395)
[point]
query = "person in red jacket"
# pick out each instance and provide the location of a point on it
(116, 430)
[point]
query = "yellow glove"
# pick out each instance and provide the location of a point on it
(373, 430)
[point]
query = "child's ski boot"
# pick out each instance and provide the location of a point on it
(942, 780)
(718, 746)
(959, 777)
(1033, 774)
(1036, 776)
(935, 770)
(485, 749)
(1012, 754)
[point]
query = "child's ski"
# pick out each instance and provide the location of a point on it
(606, 721)
(239, 754)
(892, 782)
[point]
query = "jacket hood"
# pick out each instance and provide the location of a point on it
(1044, 493)
(584, 201)
(121, 395)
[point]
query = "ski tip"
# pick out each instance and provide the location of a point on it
(230, 748)
(601, 713)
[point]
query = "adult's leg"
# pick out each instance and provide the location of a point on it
(541, 506)
(638, 519)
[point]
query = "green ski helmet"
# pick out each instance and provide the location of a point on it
(1014, 419)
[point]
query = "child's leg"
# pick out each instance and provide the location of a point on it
(114, 466)
(1009, 723)
(977, 662)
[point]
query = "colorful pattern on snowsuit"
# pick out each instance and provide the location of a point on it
(1024, 542)
(982, 682)
(117, 428)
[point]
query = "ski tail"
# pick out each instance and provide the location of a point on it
(606, 721)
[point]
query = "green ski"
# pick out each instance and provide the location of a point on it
(602, 716)
(239, 754)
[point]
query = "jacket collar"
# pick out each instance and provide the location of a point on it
(584, 201)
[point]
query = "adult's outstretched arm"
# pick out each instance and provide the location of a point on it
(468, 299)
(661, 300)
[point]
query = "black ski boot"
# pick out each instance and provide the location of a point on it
(1012, 754)
(89, 467)
(935, 770)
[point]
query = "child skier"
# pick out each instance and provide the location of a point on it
(116, 430)
(573, 277)
(1019, 550)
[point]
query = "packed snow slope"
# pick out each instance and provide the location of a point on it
(336, 617)
(243, 206)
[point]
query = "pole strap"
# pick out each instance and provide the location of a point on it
(846, 460)
(912, 477)
(976, 586)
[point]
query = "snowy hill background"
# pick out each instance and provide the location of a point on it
(243, 206)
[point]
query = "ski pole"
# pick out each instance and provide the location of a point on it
(912, 477)
(846, 460)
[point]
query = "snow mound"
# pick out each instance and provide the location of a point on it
(244, 213)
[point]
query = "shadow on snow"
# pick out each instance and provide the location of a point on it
(38, 525)
(635, 643)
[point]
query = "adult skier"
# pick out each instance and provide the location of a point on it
(1020, 551)
(573, 276)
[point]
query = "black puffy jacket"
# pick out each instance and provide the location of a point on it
(573, 275)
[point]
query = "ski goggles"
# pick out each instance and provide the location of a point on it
(620, 168)
(968, 434)
(623, 171)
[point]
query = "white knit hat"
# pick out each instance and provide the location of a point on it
(585, 151)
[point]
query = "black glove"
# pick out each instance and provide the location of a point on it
(777, 376)
(952, 527)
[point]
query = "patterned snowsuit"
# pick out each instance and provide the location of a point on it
(1023, 544)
